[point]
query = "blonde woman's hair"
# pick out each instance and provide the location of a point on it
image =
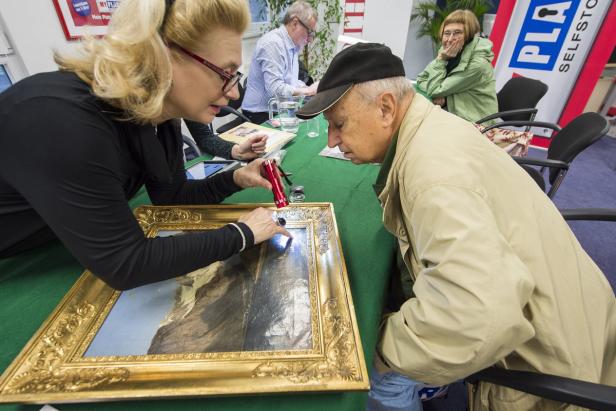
(130, 67)
(465, 17)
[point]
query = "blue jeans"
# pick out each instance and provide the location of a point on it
(391, 391)
(395, 392)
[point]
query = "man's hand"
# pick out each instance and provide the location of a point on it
(250, 175)
(262, 224)
(439, 101)
(311, 90)
(452, 49)
(252, 147)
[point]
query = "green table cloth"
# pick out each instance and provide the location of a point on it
(33, 283)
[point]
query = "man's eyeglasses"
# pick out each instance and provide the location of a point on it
(230, 80)
(311, 32)
(456, 33)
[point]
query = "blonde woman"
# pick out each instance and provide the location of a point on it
(461, 78)
(76, 144)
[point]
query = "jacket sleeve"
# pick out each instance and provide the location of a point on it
(72, 178)
(435, 82)
(470, 296)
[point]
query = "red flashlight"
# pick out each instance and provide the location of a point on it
(270, 169)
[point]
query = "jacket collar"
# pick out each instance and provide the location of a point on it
(419, 108)
(381, 179)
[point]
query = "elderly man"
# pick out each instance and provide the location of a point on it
(499, 278)
(274, 68)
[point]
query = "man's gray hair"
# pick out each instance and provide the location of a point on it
(302, 11)
(399, 86)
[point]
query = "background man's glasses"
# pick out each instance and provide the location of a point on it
(308, 29)
(230, 80)
(456, 33)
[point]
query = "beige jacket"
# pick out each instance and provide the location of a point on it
(499, 276)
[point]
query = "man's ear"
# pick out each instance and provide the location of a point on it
(388, 105)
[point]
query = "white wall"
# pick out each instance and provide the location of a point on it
(387, 22)
(418, 52)
(35, 31)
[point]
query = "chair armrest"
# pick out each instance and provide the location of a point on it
(231, 110)
(541, 162)
(594, 214)
(522, 123)
(576, 392)
(500, 114)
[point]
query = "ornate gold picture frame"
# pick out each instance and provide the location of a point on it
(276, 318)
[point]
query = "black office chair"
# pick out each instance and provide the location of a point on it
(517, 100)
(551, 387)
(304, 74)
(233, 108)
(570, 141)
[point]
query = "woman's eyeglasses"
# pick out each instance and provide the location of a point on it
(230, 80)
(456, 33)
(308, 29)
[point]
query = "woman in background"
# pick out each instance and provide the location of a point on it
(461, 78)
(77, 144)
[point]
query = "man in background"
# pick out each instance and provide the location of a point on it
(498, 276)
(275, 64)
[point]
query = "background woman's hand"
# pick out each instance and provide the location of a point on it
(452, 49)
(252, 147)
(439, 101)
(250, 175)
(261, 223)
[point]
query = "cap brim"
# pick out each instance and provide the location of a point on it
(322, 101)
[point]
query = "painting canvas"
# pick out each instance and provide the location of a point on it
(278, 315)
(258, 300)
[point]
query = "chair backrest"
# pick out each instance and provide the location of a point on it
(576, 136)
(520, 92)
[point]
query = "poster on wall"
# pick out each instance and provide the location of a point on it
(84, 17)
(554, 42)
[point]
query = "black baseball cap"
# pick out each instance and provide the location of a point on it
(356, 64)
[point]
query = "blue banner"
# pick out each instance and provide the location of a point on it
(543, 34)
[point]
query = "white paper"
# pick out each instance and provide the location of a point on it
(333, 152)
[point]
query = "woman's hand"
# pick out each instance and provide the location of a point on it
(261, 223)
(250, 175)
(439, 101)
(452, 49)
(252, 147)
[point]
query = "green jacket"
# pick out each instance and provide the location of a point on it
(470, 87)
